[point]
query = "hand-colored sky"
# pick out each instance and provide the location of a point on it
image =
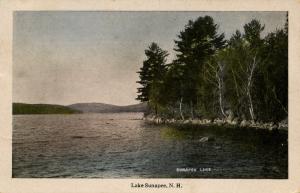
(68, 57)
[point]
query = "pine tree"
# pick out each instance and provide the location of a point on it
(272, 85)
(196, 44)
(151, 75)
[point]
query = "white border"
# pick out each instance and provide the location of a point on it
(10, 185)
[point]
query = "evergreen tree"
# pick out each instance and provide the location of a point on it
(151, 75)
(272, 89)
(196, 44)
(173, 90)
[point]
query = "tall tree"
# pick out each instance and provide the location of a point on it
(272, 89)
(243, 58)
(215, 74)
(194, 47)
(152, 74)
(253, 37)
(173, 90)
(235, 56)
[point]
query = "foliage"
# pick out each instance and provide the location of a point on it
(152, 74)
(245, 77)
(195, 46)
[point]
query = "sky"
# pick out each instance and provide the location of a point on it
(66, 57)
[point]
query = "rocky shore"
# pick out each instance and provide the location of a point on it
(282, 125)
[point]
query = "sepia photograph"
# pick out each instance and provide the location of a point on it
(150, 94)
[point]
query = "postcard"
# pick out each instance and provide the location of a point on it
(132, 96)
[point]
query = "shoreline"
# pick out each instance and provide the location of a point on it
(271, 126)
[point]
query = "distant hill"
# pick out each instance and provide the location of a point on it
(23, 108)
(107, 108)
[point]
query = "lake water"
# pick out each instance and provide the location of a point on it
(124, 146)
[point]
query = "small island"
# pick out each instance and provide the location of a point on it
(22, 108)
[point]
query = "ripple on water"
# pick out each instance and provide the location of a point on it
(122, 146)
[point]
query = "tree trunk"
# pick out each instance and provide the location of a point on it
(221, 98)
(250, 105)
(180, 108)
(251, 110)
(220, 75)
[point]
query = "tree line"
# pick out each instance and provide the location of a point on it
(244, 77)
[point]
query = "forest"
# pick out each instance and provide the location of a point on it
(244, 77)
